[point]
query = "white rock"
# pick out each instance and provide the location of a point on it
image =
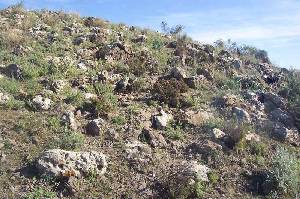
(161, 120)
(58, 163)
(197, 171)
(218, 134)
(3, 98)
(41, 102)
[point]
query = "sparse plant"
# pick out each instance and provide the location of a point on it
(174, 132)
(119, 120)
(40, 193)
(107, 101)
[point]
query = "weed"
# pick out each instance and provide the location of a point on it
(107, 101)
(174, 132)
(119, 120)
(68, 140)
(40, 193)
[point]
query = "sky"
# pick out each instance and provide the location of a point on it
(272, 25)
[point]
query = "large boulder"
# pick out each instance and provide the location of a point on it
(61, 163)
(283, 117)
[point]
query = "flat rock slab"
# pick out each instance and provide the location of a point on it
(60, 163)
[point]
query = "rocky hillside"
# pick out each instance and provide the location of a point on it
(91, 109)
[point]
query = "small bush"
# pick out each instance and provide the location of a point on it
(174, 132)
(286, 169)
(119, 120)
(236, 134)
(107, 101)
(169, 91)
(68, 140)
(40, 193)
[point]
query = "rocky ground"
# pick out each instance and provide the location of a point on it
(91, 109)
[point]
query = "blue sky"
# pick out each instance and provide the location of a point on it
(273, 25)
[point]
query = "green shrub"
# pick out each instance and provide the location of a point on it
(68, 140)
(107, 101)
(174, 132)
(119, 120)
(40, 193)
(286, 169)
(169, 91)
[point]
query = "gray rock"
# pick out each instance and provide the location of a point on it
(41, 103)
(161, 120)
(196, 171)
(93, 128)
(13, 71)
(153, 138)
(237, 63)
(283, 117)
(283, 134)
(59, 163)
(241, 115)
(178, 73)
(3, 98)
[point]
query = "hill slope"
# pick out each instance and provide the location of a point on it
(91, 109)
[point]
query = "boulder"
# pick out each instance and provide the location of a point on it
(13, 71)
(153, 138)
(93, 128)
(61, 163)
(161, 120)
(241, 115)
(286, 135)
(218, 134)
(3, 98)
(283, 117)
(41, 103)
(178, 73)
